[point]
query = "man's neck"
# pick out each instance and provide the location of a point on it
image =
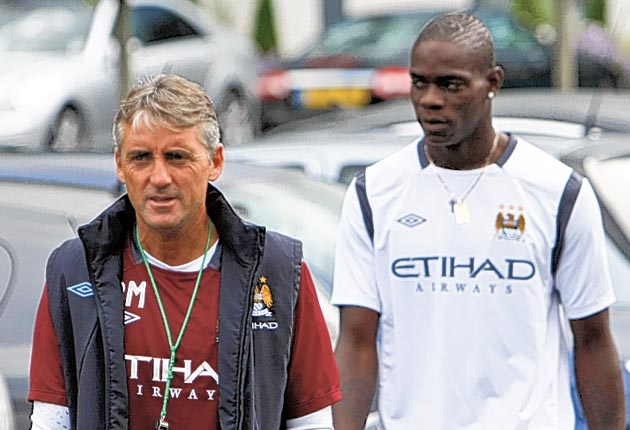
(177, 248)
(471, 154)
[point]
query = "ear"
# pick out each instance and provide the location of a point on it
(119, 170)
(495, 77)
(216, 164)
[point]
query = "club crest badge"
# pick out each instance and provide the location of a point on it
(263, 299)
(510, 224)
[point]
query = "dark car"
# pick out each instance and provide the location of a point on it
(361, 61)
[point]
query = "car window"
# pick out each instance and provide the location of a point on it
(155, 25)
(377, 37)
(292, 205)
(506, 35)
(47, 30)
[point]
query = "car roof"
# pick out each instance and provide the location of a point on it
(94, 171)
(606, 109)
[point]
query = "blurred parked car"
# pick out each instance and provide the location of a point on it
(585, 130)
(335, 146)
(45, 197)
(59, 85)
(365, 60)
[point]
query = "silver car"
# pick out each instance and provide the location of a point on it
(59, 74)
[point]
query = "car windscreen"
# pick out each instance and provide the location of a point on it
(295, 205)
(376, 37)
(55, 30)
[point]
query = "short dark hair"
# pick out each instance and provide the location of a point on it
(461, 28)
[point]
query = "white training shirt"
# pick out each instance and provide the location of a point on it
(472, 327)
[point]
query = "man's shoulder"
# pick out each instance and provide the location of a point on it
(530, 163)
(68, 249)
(67, 266)
(405, 158)
(394, 170)
(280, 242)
(526, 152)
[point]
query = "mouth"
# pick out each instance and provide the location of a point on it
(161, 200)
(434, 125)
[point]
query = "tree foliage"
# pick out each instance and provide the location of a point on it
(595, 10)
(265, 27)
(532, 13)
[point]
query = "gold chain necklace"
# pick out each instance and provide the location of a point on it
(458, 204)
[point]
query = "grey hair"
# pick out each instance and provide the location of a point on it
(172, 102)
(461, 28)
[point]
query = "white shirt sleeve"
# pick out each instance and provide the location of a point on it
(320, 420)
(354, 280)
(48, 416)
(582, 277)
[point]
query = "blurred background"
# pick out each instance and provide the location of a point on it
(308, 93)
(267, 62)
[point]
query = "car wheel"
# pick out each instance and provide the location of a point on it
(236, 120)
(66, 134)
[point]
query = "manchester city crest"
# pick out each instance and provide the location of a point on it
(510, 225)
(263, 300)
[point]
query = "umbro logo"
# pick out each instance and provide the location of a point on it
(131, 318)
(411, 220)
(84, 289)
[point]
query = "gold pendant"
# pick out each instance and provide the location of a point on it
(462, 216)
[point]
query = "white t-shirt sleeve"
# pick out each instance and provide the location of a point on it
(319, 420)
(354, 280)
(48, 416)
(582, 277)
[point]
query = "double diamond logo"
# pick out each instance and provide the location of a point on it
(84, 289)
(411, 220)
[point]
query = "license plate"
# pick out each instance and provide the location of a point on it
(337, 97)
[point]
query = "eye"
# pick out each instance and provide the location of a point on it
(139, 156)
(175, 156)
(418, 83)
(453, 86)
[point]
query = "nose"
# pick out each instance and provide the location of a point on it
(431, 97)
(160, 174)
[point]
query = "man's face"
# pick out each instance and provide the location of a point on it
(166, 173)
(449, 91)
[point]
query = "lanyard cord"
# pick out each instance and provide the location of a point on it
(173, 347)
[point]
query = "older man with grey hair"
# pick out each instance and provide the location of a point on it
(169, 311)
